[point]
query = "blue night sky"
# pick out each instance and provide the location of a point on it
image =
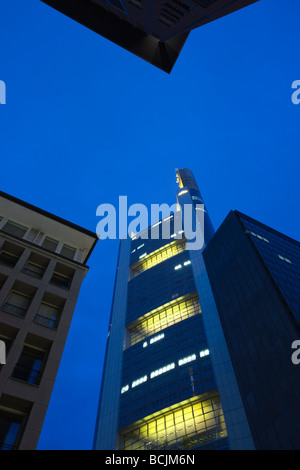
(86, 122)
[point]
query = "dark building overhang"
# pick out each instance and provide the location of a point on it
(154, 30)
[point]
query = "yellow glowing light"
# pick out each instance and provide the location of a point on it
(183, 426)
(158, 256)
(164, 316)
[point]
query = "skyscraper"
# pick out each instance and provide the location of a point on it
(42, 265)
(155, 31)
(255, 278)
(159, 388)
(199, 348)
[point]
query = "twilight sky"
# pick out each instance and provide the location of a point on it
(86, 122)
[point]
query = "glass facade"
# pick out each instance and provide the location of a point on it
(162, 317)
(281, 256)
(165, 394)
(254, 287)
(187, 425)
(158, 256)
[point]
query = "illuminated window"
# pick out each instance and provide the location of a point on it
(139, 381)
(204, 353)
(285, 259)
(163, 317)
(158, 256)
(125, 389)
(162, 370)
(259, 237)
(197, 198)
(158, 223)
(187, 425)
(154, 340)
(187, 359)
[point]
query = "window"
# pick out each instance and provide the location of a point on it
(162, 370)
(29, 366)
(10, 254)
(50, 310)
(17, 303)
(8, 258)
(68, 251)
(287, 260)
(147, 261)
(187, 359)
(34, 270)
(139, 381)
(36, 265)
(14, 229)
(60, 280)
(185, 426)
(50, 244)
(48, 315)
(10, 425)
(62, 276)
(163, 317)
(14, 412)
(124, 389)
